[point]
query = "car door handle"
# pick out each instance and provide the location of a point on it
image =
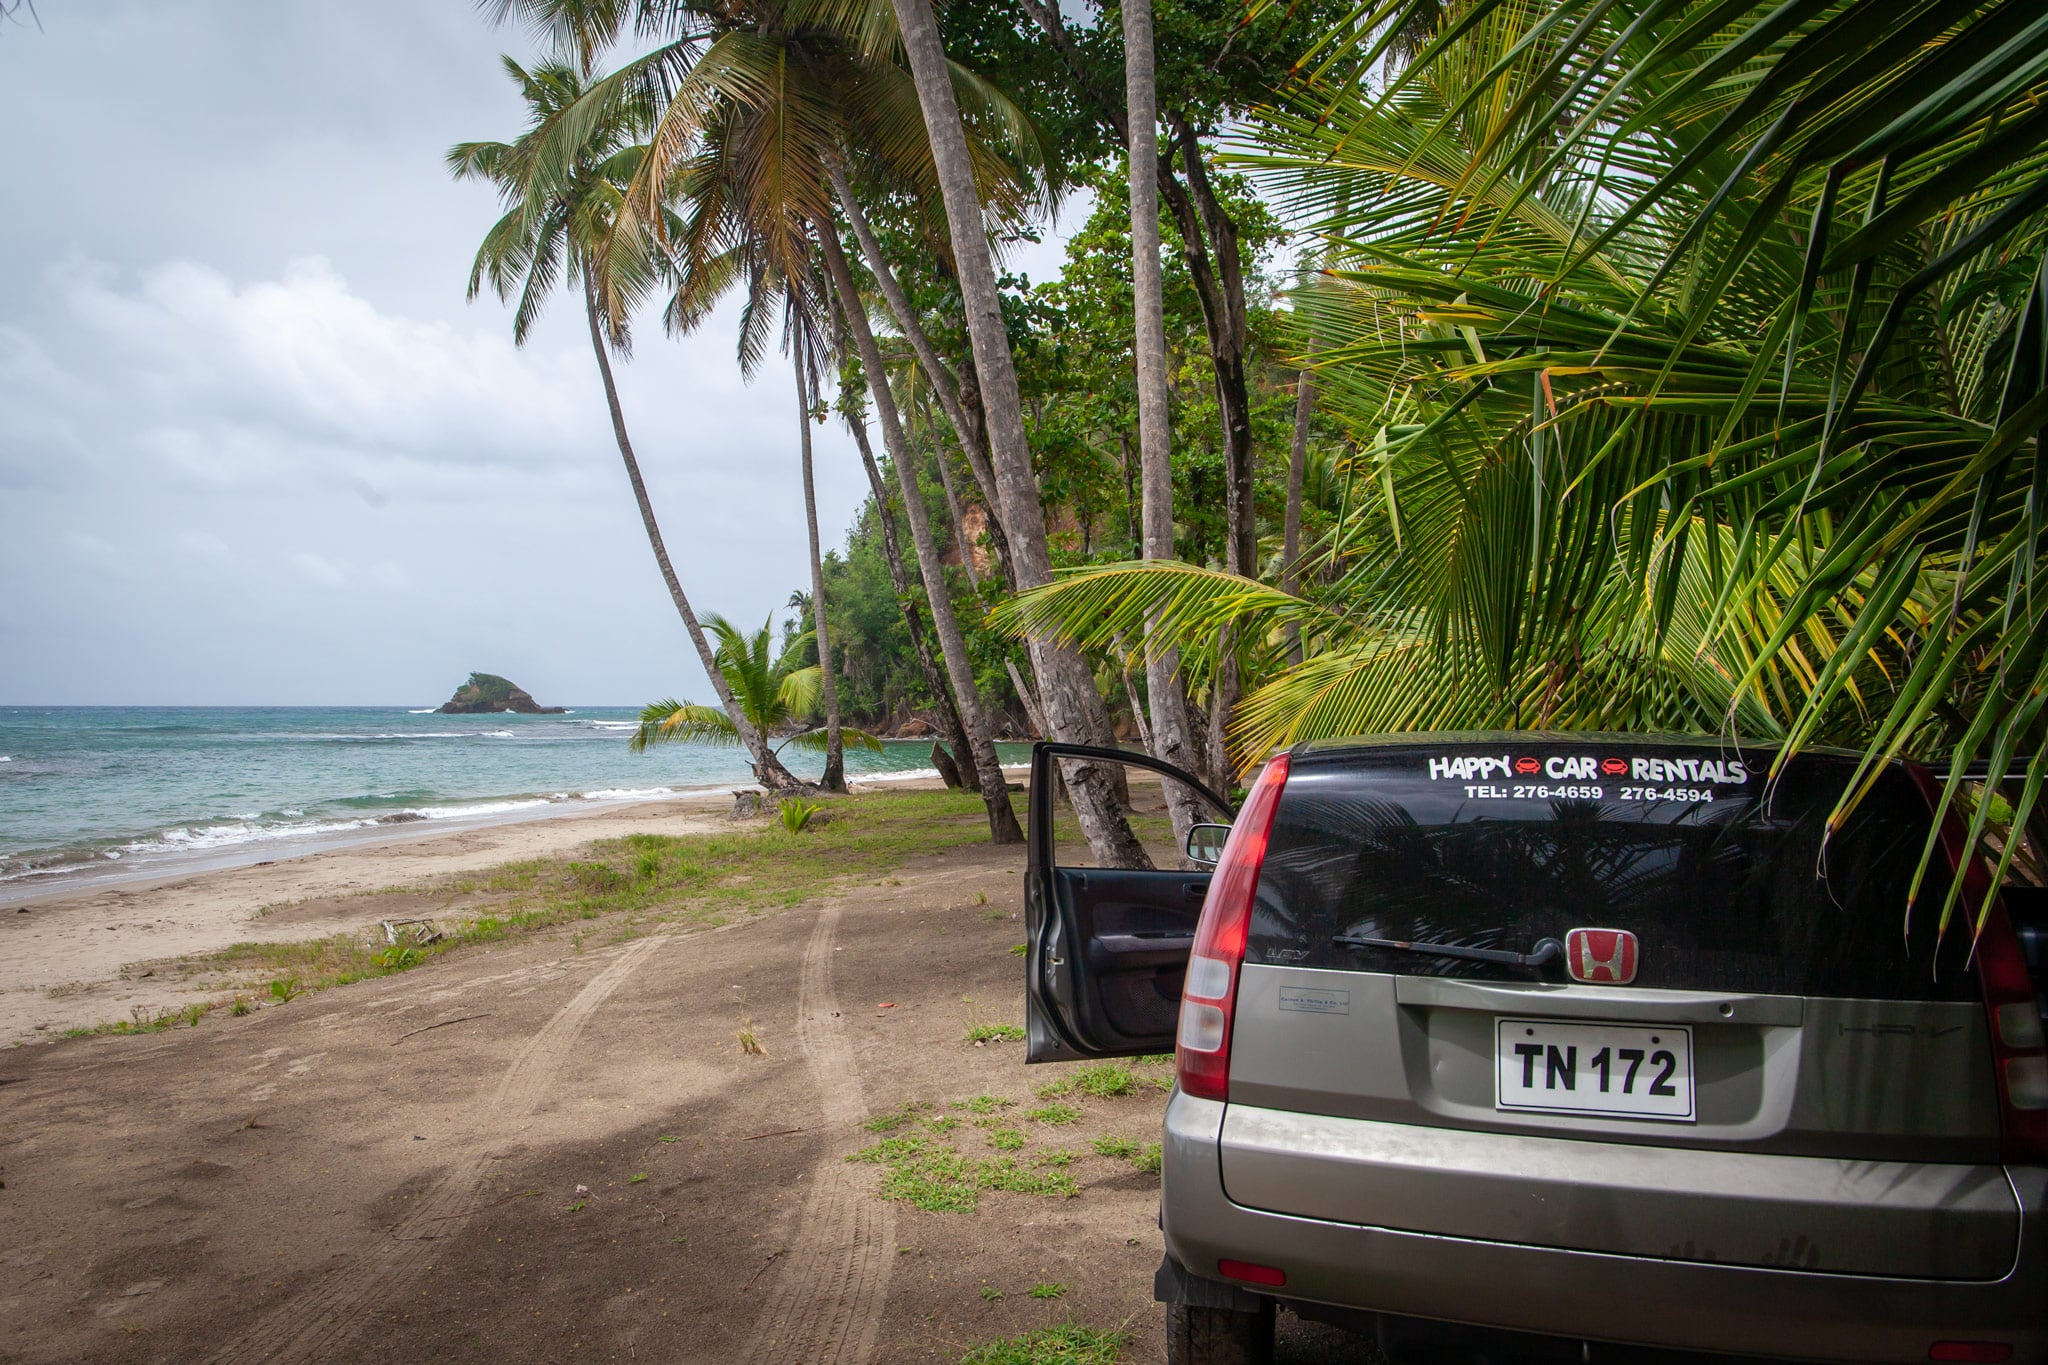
(1632, 1003)
(1138, 952)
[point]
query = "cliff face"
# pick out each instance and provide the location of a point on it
(486, 692)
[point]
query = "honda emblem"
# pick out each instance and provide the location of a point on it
(1604, 957)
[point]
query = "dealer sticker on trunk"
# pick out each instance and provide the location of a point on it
(1311, 1000)
(1608, 1070)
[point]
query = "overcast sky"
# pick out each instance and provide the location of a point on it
(255, 448)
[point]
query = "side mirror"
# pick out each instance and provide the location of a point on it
(1205, 844)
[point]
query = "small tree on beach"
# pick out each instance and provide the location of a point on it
(775, 693)
(565, 233)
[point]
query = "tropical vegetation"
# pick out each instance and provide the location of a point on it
(1574, 364)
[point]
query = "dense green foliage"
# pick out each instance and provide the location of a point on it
(1074, 355)
(1692, 363)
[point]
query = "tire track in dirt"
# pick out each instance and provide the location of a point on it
(824, 1305)
(323, 1322)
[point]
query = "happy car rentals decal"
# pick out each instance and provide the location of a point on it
(1585, 767)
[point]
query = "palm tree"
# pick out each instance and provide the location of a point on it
(1003, 828)
(834, 779)
(1171, 739)
(568, 231)
(776, 694)
(853, 410)
(1074, 709)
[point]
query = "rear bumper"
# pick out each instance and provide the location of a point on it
(1634, 1299)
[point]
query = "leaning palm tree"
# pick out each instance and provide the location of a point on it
(777, 693)
(1074, 709)
(565, 230)
(758, 107)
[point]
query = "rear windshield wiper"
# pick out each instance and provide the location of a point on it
(1547, 950)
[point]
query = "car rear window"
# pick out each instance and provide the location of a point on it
(1724, 878)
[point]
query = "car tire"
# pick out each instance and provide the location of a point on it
(1218, 1336)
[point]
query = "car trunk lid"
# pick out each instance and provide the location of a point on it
(1775, 1006)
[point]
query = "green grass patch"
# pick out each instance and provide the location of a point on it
(1067, 1344)
(935, 1176)
(1143, 1155)
(1048, 1290)
(983, 1104)
(1103, 1081)
(995, 1033)
(634, 883)
(1005, 1139)
(1057, 1114)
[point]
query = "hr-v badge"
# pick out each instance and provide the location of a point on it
(1601, 957)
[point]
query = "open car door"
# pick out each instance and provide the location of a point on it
(1106, 947)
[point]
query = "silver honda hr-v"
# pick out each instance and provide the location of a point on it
(1574, 1047)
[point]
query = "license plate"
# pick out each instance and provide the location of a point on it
(1614, 1070)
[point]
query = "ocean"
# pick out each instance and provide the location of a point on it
(93, 794)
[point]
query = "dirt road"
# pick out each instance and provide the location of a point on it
(528, 1153)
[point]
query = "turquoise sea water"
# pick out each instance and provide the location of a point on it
(92, 792)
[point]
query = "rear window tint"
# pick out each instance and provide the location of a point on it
(1727, 886)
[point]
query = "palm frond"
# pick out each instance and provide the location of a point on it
(677, 722)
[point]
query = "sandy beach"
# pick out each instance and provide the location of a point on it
(80, 959)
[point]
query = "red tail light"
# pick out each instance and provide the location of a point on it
(2019, 1052)
(1209, 995)
(2018, 1048)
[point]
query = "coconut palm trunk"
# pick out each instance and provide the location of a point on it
(899, 579)
(1002, 820)
(834, 779)
(1297, 471)
(1170, 740)
(944, 384)
(1074, 709)
(768, 768)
